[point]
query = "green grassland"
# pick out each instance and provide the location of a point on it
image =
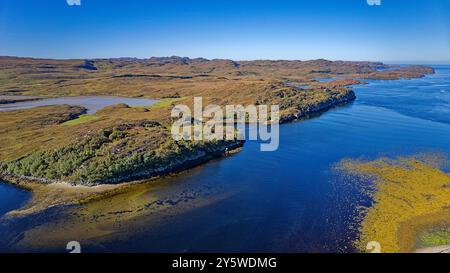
(81, 119)
(435, 238)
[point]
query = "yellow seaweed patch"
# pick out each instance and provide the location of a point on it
(411, 195)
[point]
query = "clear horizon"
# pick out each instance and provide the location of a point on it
(400, 31)
(243, 60)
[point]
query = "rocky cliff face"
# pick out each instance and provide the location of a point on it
(319, 107)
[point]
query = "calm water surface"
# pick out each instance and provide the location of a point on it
(287, 200)
(91, 103)
(11, 198)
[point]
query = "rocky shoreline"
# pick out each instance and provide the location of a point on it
(184, 164)
(319, 108)
(180, 165)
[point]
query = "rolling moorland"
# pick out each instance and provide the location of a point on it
(122, 143)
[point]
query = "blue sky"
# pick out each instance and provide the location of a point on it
(397, 31)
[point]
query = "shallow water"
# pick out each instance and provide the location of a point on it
(91, 103)
(287, 200)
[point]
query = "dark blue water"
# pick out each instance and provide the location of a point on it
(11, 198)
(427, 98)
(286, 201)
